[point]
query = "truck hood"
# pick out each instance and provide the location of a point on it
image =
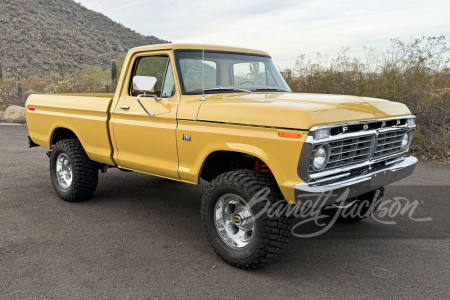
(296, 111)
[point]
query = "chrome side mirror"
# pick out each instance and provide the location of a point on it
(144, 83)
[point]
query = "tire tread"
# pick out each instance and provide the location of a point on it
(275, 232)
(85, 171)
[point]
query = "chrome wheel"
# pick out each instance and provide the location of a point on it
(233, 220)
(64, 171)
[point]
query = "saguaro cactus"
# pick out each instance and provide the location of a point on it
(1, 74)
(113, 71)
(61, 68)
(19, 91)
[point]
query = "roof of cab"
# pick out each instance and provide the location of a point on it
(196, 46)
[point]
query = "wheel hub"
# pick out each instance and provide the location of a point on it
(232, 218)
(64, 171)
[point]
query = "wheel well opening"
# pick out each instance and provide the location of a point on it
(220, 162)
(62, 134)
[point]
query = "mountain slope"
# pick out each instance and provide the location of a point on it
(36, 34)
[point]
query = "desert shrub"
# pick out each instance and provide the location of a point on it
(23, 63)
(416, 73)
(34, 78)
(8, 92)
(63, 86)
(10, 7)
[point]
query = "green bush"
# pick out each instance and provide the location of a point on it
(23, 63)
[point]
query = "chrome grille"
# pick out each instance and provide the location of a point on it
(389, 143)
(347, 152)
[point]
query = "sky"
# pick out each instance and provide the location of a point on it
(284, 28)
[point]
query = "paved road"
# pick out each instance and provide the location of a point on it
(141, 237)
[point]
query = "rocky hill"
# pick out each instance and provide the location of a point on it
(37, 35)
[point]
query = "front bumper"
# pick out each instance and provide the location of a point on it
(333, 190)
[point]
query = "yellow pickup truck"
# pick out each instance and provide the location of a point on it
(225, 115)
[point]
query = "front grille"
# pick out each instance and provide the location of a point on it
(389, 143)
(367, 125)
(347, 152)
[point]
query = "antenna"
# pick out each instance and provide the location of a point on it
(203, 65)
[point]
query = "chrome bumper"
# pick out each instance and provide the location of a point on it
(357, 185)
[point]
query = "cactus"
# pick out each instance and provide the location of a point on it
(1, 74)
(19, 91)
(61, 68)
(254, 67)
(113, 70)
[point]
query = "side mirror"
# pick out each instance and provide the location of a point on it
(144, 83)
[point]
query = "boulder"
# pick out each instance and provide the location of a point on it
(14, 114)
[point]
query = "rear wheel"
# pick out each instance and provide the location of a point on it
(227, 219)
(74, 175)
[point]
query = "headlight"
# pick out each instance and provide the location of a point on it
(411, 122)
(406, 140)
(322, 134)
(321, 157)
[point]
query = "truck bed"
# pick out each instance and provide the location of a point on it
(86, 115)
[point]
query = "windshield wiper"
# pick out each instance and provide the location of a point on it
(228, 88)
(273, 89)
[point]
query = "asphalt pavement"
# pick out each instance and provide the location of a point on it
(140, 237)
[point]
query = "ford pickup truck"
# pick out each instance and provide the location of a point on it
(226, 116)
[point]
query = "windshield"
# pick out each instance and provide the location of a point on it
(227, 70)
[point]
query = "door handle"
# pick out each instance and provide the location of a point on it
(124, 107)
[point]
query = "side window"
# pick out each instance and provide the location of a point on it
(154, 66)
(168, 90)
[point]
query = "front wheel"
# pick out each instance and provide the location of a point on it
(228, 217)
(74, 175)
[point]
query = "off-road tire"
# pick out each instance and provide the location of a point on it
(366, 210)
(272, 234)
(85, 171)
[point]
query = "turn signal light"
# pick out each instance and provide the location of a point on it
(289, 134)
(31, 108)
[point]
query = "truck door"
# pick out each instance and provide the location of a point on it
(147, 143)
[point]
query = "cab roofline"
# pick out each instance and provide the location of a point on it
(197, 47)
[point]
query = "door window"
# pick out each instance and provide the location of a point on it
(154, 66)
(168, 90)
